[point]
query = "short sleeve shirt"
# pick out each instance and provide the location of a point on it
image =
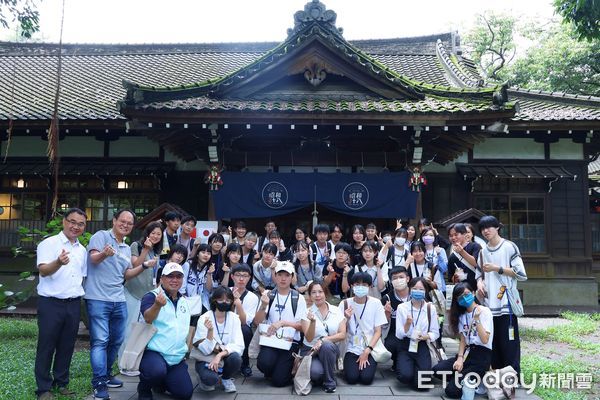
(66, 282)
(105, 280)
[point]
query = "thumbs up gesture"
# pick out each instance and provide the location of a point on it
(63, 258)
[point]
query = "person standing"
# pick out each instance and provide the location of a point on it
(109, 266)
(245, 306)
(172, 223)
(501, 268)
(61, 261)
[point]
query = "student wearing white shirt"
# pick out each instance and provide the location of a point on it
(245, 306)
(61, 261)
(359, 365)
(473, 323)
(393, 252)
(367, 262)
(416, 323)
(277, 309)
(501, 267)
(219, 338)
(324, 327)
(397, 294)
(306, 270)
(418, 266)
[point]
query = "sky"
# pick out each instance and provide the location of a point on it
(196, 21)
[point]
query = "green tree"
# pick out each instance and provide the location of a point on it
(22, 11)
(491, 44)
(559, 61)
(583, 14)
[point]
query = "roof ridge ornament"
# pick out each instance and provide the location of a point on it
(314, 11)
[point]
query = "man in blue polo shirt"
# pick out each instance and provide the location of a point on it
(109, 265)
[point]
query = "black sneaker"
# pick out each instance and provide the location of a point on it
(246, 371)
(113, 382)
(329, 390)
(101, 393)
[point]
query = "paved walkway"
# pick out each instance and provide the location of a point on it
(384, 387)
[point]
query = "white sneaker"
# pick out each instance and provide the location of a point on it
(206, 388)
(228, 385)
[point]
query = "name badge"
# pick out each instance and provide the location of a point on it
(414, 343)
(356, 341)
(511, 333)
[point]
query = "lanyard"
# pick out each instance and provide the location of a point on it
(415, 323)
(470, 324)
(280, 308)
(261, 270)
(312, 273)
(217, 326)
(322, 260)
(198, 283)
(356, 324)
(323, 320)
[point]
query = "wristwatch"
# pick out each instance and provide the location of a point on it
(500, 270)
(370, 347)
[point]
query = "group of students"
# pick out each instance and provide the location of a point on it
(327, 299)
(331, 299)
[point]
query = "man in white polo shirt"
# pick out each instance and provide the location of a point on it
(61, 261)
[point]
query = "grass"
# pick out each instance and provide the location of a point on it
(573, 334)
(17, 352)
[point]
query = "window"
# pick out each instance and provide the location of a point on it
(141, 204)
(522, 216)
(94, 207)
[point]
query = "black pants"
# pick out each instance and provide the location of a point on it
(478, 361)
(409, 364)
(156, 373)
(506, 352)
(247, 333)
(277, 364)
(231, 365)
(353, 375)
(392, 343)
(58, 322)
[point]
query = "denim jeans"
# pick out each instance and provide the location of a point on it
(107, 331)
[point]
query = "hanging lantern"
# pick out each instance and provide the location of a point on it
(213, 177)
(417, 179)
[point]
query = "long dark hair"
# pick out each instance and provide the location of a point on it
(157, 248)
(414, 281)
(368, 245)
(361, 229)
(298, 246)
(195, 263)
(233, 248)
(456, 310)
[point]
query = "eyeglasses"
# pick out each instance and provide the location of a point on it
(75, 223)
(126, 223)
(242, 276)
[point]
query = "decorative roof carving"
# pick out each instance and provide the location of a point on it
(314, 11)
(315, 74)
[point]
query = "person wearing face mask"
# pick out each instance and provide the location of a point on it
(359, 365)
(393, 252)
(220, 342)
(436, 256)
(416, 323)
(474, 324)
(397, 294)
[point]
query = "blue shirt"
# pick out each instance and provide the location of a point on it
(105, 280)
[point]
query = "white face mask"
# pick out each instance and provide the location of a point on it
(399, 241)
(386, 239)
(226, 237)
(399, 283)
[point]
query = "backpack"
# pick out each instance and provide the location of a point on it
(295, 296)
(315, 251)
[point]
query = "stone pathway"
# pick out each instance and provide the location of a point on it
(384, 387)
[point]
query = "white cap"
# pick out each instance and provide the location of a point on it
(172, 267)
(284, 266)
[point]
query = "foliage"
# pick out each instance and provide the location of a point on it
(9, 297)
(571, 333)
(534, 364)
(22, 11)
(492, 43)
(583, 14)
(18, 338)
(559, 62)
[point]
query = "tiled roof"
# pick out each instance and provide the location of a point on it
(537, 105)
(429, 105)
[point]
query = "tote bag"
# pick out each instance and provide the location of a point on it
(302, 383)
(138, 339)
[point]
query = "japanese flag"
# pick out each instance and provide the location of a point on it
(204, 229)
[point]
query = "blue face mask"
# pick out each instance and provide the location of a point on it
(417, 294)
(360, 291)
(466, 300)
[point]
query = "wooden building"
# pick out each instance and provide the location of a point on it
(140, 125)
